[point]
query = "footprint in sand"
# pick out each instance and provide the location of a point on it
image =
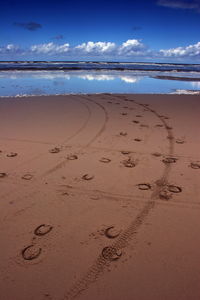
(169, 160)
(124, 114)
(72, 157)
(129, 163)
(111, 232)
(156, 154)
(105, 160)
(195, 165)
(87, 177)
(31, 252)
(135, 121)
(111, 253)
(165, 195)
(144, 186)
(54, 150)
(27, 176)
(125, 152)
(174, 188)
(11, 154)
(2, 174)
(180, 141)
(42, 229)
(123, 133)
(137, 140)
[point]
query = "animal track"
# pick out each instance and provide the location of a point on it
(72, 157)
(87, 177)
(31, 252)
(174, 188)
(195, 165)
(169, 160)
(27, 176)
(105, 160)
(2, 174)
(144, 186)
(129, 163)
(43, 229)
(11, 154)
(109, 234)
(123, 133)
(54, 150)
(111, 253)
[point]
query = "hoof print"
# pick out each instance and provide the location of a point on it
(43, 229)
(54, 150)
(129, 163)
(144, 186)
(169, 160)
(174, 189)
(180, 141)
(27, 176)
(195, 165)
(165, 195)
(72, 157)
(125, 152)
(109, 233)
(105, 160)
(123, 133)
(2, 174)
(157, 154)
(111, 253)
(87, 177)
(31, 252)
(11, 154)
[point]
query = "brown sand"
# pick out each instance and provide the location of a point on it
(100, 197)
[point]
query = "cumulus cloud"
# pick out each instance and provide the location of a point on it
(131, 47)
(9, 49)
(180, 4)
(50, 48)
(31, 26)
(188, 51)
(96, 48)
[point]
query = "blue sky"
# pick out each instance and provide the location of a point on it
(141, 30)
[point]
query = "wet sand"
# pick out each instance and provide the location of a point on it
(100, 197)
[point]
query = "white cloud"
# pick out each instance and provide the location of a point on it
(131, 47)
(97, 77)
(98, 47)
(10, 48)
(130, 79)
(180, 4)
(50, 48)
(188, 51)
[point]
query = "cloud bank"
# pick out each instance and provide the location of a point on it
(130, 50)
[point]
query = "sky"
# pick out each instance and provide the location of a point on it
(120, 30)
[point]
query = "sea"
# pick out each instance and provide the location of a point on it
(22, 78)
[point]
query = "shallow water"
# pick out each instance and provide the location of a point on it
(14, 83)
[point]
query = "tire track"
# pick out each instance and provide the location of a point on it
(122, 241)
(103, 127)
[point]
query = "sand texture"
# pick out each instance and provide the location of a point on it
(100, 197)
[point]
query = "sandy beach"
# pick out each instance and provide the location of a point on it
(100, 197)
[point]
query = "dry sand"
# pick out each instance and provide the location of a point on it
(100, 197)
